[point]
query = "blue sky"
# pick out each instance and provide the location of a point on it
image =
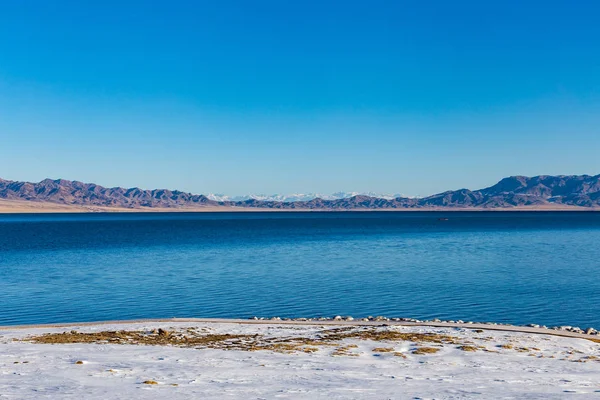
(260, 96)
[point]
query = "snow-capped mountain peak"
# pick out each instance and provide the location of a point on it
(287, 198)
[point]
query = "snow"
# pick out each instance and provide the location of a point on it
(551, 367)
(287, 198)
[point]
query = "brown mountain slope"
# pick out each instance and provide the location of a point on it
(78, 193)
(515, 191)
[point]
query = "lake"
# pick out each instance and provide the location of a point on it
(513, 267)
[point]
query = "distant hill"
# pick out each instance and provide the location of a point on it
(62, 191)
(515, 191)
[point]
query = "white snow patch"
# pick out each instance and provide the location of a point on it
(551, 367)
(287, 198)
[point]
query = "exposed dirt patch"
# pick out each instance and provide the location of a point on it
(425, 350)
(345, 351)
(193, 338)
(160, 337)
(383, 350)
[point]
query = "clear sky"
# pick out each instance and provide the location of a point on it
(279, 96)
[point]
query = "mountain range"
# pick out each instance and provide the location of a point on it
(287, 198)
(514, 191)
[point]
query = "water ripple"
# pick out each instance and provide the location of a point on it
(516, 268)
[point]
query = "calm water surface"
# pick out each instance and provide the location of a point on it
(505, 267)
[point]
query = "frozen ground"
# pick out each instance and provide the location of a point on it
(270, 361)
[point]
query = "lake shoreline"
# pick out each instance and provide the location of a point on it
(8, 207)
(566, 331)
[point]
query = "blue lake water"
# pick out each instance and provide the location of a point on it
(520, 267)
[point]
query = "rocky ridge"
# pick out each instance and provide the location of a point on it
(514, 191)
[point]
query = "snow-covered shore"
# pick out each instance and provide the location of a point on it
(194, 359)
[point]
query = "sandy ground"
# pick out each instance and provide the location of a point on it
(31, 207)
(193, 359)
